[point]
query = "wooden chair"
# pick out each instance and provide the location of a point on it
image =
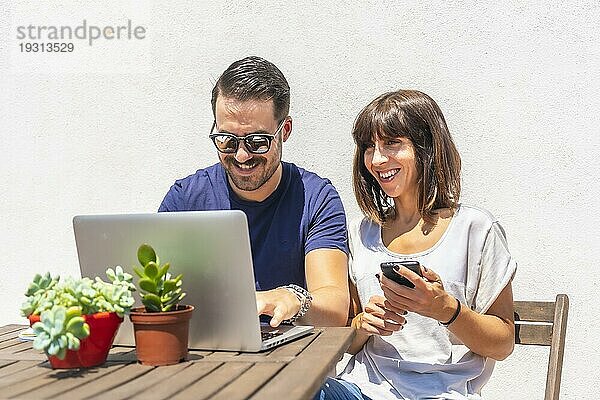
(544, 324)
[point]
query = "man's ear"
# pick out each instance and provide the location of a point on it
(287, 129)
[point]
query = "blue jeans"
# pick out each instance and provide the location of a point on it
(338, 389)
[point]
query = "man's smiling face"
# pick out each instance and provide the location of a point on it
(250, 172)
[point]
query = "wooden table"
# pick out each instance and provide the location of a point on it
(293, 371)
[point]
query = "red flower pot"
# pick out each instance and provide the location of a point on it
(93, 350)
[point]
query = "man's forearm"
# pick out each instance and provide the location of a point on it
(329, 307)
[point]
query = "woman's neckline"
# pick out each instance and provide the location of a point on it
(423, 252)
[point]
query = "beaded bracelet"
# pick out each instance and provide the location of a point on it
(305, 300)
(454, 316)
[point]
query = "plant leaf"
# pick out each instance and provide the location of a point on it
(162, 271)
(138, 271)
(75, 324)
(169, 285)
(73, 342)
(73, 312)
(62, 353)
(151, 270)
(146, 254)
(54, 348)
(111, 274)
(148, 285)
(152, 302)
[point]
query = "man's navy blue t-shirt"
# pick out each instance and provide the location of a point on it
(304, 213)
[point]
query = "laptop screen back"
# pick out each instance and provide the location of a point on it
(212, 251)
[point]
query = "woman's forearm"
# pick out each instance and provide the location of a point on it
(486, 335)
(491, 334)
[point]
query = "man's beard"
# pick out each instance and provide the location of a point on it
(261, 175)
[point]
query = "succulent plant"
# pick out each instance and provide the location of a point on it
(91, 296)
(160, 291)
(60, 329)
(40, 295)
(62, 304)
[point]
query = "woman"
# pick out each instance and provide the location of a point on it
(440, 338)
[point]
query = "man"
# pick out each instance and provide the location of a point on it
(296, 219)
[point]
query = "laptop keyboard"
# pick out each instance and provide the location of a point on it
(266, 335)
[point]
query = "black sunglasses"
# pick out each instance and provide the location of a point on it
(256, 143)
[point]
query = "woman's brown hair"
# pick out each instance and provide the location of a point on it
(414, 115)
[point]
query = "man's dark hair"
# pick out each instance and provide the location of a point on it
(254, 78)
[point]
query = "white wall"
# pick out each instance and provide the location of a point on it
(110, 127)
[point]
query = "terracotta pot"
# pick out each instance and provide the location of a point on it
(161, 338)
(94, 349)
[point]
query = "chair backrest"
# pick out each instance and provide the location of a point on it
(544, 324)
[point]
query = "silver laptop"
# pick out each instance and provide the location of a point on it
(212, 251)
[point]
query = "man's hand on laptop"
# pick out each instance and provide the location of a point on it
(279, 303)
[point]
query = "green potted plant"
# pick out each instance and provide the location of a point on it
(75, 321)
(161, 326)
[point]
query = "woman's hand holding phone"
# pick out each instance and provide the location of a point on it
(427, 297)
(390, 269)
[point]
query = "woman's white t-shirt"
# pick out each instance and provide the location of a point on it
(424, 360)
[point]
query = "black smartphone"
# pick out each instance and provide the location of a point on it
(389, 268)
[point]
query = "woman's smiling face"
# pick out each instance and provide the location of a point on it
(392, 163)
